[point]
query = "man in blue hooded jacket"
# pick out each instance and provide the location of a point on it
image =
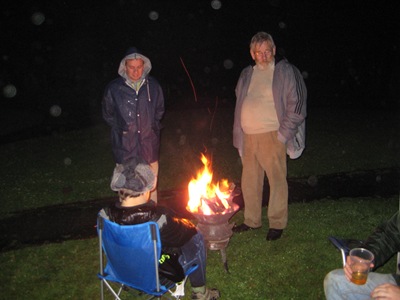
(133, 105)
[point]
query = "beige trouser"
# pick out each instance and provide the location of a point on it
(264, 153)
(153, 193)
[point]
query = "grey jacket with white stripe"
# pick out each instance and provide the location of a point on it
(290, 97)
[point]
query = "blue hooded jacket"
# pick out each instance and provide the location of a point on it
(134, 115)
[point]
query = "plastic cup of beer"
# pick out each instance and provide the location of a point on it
(361, 260)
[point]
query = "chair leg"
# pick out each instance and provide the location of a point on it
(101, 290)
(112, 290)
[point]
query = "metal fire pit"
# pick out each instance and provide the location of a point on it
(216, 230)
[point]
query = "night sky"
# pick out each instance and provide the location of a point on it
(57, 56)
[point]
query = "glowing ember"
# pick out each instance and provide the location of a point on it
(204, 196)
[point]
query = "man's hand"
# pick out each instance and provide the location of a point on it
(347, 268)
(386, 291)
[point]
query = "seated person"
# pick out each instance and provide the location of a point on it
(178, 236)
(384, 242)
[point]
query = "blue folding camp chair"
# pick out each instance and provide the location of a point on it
(345, 245)
(132, 254)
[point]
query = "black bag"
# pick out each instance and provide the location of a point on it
(170, 268)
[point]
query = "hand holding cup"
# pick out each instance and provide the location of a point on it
(360, 261)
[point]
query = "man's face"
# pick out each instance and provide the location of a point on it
(134, 69)
(263, 53)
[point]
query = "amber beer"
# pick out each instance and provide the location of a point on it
(360, 261)
(359, 278)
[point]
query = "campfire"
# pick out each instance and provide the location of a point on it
(212, 205)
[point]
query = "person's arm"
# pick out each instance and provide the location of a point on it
(295, 97)
(384, 242)
(174, 231)
(160, 107)
(240, 93)
(108, 108)
(386, 291)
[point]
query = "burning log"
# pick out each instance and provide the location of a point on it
(214, 204)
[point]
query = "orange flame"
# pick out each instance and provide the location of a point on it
(202, 190)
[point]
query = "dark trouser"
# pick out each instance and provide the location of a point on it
(194, 252)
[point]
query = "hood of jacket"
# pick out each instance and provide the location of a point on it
(134, 53)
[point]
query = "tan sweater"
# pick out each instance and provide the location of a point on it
(258, 111)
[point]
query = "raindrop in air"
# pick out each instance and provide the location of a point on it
(216, 4)
(9, 91)
(228, 64)
(282, 25)
(153, 15)
(312, 181)
(67, 161)
(38, 18)
(182, 140)
(55, 111)
(305, 74)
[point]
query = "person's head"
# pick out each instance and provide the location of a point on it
(135, 179)
(134, 66)
(262, 48)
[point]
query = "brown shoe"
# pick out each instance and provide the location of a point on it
(210, 294)
(274, 234)
(242, 228)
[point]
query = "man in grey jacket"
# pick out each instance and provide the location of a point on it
(133, 105)
(269, 122)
